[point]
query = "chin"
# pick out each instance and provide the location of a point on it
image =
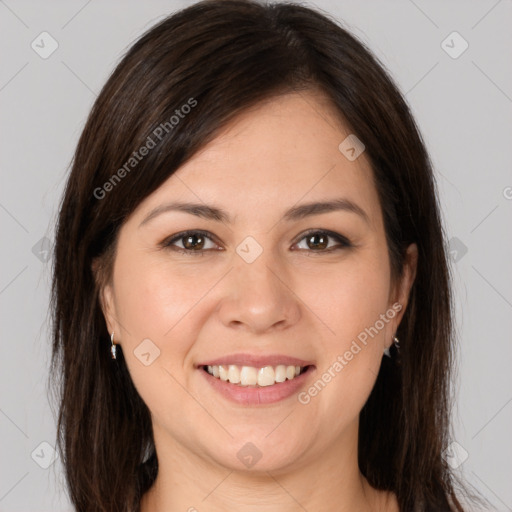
(258, 453)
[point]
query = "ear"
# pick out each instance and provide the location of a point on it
(105, 296)
(402, 289)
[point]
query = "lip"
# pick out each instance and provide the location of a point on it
(258, 361)
(247, 395)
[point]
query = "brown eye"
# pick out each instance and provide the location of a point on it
(318, 241)
(192, 242)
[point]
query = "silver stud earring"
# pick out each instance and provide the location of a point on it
(396, 342)
(113, 347)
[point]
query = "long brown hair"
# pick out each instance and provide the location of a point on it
(221, 57)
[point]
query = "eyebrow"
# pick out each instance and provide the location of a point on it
(295, 213)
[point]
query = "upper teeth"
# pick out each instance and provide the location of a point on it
(251, 376)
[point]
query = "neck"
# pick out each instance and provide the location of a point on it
(328, 481)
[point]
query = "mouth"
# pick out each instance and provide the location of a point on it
(255, 377)
(247, 385)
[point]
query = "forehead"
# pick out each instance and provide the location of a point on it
(283, 151)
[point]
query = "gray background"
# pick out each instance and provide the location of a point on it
(463, 106)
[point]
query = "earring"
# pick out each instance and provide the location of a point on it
(396, 342)
(113, 347)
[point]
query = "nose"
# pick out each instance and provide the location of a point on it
(259, 296)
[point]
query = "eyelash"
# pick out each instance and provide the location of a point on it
(168, 243)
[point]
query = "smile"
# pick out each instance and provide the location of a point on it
(256, 386)
(253, 376)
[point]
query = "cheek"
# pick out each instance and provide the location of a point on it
(151, 297)
(156, 310)
(351, 299)
(351, 305)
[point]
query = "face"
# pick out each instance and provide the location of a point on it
(259, 287)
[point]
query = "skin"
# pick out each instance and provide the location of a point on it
(293, 299)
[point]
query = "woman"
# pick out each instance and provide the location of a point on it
(251, 299)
